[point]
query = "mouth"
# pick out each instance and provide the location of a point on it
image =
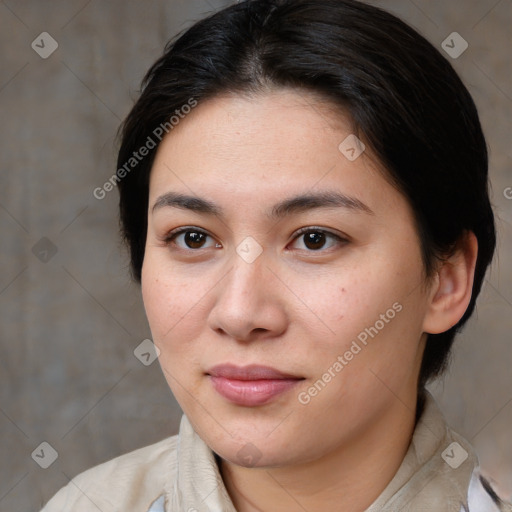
(251, 385)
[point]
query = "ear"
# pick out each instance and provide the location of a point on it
(452, 287)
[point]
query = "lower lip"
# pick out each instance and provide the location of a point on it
(251, 392)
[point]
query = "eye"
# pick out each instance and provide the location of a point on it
(315, 239)
(192, 238)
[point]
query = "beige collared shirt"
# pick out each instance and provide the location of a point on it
(179, 474)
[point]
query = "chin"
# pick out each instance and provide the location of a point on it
(249, 449)
(249, 455)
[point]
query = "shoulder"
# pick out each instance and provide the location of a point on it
(129, 482)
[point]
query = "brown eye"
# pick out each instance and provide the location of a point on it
(190, 239)
(194, 239)
(315, 239)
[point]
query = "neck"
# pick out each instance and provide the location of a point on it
(350, 478)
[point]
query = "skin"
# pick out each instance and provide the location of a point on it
(294, 308)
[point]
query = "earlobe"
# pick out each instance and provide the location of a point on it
(452, 289)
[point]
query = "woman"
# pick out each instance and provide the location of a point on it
(304, 193)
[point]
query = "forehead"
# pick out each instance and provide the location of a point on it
(280, 143)
(273, 121)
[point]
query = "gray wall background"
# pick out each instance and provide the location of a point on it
(71, 319)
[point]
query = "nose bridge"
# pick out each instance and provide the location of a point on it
(243, 302)
(244, 282)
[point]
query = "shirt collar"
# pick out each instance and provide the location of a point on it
(434, 475)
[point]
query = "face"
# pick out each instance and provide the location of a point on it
(287, 327)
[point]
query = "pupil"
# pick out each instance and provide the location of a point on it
(315, 239)
(192, 239)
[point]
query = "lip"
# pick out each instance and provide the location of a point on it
(250, 385)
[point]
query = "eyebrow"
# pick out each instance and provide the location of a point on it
(289, 206)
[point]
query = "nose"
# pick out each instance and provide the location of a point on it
(249, 302)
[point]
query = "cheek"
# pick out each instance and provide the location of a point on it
(172, 305)
(348, 302)
(171, 300)
(374, 315)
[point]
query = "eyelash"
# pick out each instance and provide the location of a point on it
(169, 239)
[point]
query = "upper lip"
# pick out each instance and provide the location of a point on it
(249, 372)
